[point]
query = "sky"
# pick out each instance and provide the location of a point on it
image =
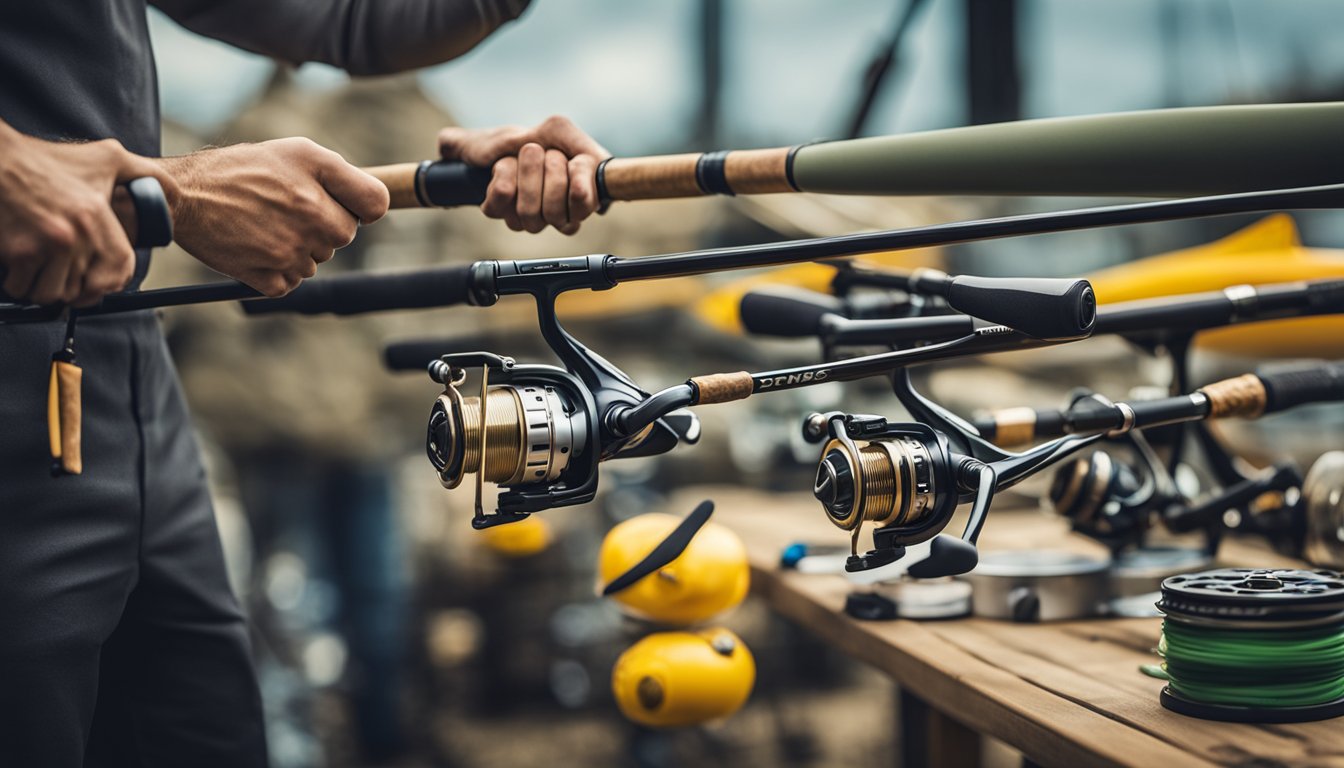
(627, 70)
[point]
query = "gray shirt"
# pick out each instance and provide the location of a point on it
(84, 69)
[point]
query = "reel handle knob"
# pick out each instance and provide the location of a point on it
(948, 556)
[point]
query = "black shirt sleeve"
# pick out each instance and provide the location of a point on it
(363, 37)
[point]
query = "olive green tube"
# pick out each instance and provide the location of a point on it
(1160, 153)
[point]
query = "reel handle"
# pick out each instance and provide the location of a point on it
(356, 293)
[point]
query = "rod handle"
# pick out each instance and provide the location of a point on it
(1043, 308)
(786, 311)
(144, 214)
(142, 210)
(433, 183)
(1290, 388)
(449, 183)
(358, 293)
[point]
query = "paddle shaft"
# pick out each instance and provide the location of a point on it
(1157, 153)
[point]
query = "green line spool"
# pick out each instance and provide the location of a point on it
(1253, 645)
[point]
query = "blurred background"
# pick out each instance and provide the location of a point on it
(387, 632)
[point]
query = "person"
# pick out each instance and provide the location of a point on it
(121, 641)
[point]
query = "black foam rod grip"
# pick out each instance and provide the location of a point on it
(357, 293)
(1043, 308)
(785, 311)
(153, 220)
(1318, 384)
(448, 183)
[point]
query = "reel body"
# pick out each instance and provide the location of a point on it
(905, 479)
(534, 433)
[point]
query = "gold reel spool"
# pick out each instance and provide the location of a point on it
(527, 437)
(879, 482)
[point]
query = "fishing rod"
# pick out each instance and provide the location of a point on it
(482, 283)
(1105, 497)
(909, 478)
(796, 313)
(1157, 153)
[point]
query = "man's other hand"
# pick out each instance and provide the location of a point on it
(60, 241)
(542, 175)
(267, 214)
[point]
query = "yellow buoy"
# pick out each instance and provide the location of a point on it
(523, 538)
(674, 679)
(708, 578)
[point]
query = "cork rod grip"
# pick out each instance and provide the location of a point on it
(400, 180)
(722, 387)
(1242, 396)
(444, 184)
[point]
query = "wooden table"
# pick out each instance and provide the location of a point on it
(1065, 693)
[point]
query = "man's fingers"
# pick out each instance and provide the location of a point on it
(561, 133)
(501, 197)
(531, 175)
(555, 189)
(481, 147)
(359, 193)
(583, 200)
(49, 287)
(111, 264)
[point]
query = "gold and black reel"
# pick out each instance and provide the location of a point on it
(904, 479)
(528, 428)
(886, 482)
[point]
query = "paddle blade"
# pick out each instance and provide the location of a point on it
(668, 549)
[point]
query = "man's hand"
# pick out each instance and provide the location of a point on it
(267, 214)
(542, 175)
(60, 241)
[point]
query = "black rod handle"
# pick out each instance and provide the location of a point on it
(787, 312)
(1040, 308)
(358, 293)
(1290, 388)
(153, 219)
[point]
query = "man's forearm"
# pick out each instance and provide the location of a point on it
(363, 37)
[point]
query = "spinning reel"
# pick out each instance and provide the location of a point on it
(908, 478)
(533, 432)
(1117, 503)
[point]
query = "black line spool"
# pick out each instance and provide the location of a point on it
(1254, 645)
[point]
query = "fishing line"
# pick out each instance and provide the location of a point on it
(1253, 645)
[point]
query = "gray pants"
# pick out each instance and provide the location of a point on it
(120, 641)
